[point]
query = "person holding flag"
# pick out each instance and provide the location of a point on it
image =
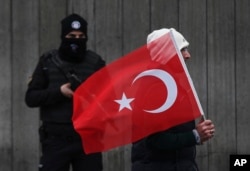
(146, 98)
(175, 148)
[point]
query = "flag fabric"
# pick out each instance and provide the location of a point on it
(146, 91)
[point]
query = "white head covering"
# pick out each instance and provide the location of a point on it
(180, 40)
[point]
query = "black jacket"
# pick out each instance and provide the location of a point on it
(44, 87)
(173, 149)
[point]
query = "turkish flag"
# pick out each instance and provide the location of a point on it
(146, 91)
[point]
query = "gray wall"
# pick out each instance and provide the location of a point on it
(218, 31)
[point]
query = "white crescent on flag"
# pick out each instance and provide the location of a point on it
(169, 83)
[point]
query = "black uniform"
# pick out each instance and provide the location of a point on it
(170, 150)
(61, 145)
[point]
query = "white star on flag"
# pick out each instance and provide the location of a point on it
(124, 102)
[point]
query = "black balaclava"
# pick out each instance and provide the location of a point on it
(73, 49)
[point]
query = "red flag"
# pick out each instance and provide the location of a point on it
(146, 91)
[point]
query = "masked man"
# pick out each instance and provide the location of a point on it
(58, 73)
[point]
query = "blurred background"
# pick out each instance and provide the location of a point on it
(218, 32)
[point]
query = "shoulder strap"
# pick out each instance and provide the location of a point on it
(91, 57)
(52, 55)
(68, 73)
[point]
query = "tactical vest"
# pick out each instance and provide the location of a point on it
(61, 112)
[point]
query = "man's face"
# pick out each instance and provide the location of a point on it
(75, 35)
(185, 53)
